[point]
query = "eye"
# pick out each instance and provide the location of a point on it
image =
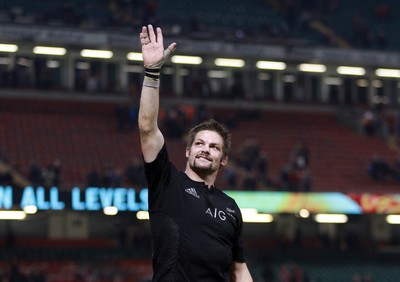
(216, 147)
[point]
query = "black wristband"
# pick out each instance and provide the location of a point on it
(153, 76)
(152, 73)
(152, 70)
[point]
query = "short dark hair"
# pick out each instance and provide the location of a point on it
(215, 126)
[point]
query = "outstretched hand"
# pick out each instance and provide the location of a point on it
(153, 51)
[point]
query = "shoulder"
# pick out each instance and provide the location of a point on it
(231, 203)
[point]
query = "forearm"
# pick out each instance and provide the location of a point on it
(240, 273)
(154, 56)
(149, 105)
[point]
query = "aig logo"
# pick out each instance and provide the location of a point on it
(216, 213)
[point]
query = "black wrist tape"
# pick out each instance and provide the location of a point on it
(152, 73)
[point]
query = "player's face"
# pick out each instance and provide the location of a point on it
(206, 152)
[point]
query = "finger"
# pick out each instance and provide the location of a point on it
(144, 30)
(152, 35)
(171, 48)
(144, 38)
(160, 36)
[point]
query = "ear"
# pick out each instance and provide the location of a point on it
(224, 161)
(187, 152)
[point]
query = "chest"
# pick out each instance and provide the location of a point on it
(196, 209)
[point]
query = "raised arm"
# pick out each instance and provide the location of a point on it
(154, 56)
(240, 272)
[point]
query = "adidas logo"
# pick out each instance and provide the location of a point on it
(192, 192)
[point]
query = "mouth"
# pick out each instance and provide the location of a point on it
(203, 158)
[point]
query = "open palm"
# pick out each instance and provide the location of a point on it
(153, 47)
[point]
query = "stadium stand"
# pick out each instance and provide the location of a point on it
(83, 135)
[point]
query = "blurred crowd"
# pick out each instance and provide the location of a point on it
(295, 20)
(380, 169)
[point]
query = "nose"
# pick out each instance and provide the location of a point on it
(205, 150)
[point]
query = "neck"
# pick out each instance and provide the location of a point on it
(208, 179)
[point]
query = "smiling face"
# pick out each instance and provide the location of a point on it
(205, 155)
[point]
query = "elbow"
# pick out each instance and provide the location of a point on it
(146, 125)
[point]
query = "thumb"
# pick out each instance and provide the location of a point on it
(171, 48)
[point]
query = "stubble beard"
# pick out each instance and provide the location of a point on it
(201, 169)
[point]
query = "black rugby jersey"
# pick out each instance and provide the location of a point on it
(196, 231)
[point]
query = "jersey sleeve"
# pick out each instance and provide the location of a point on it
(158, 175)
(238, 248)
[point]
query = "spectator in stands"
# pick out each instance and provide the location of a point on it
(135, 173)
(286, 180)
(16, 275)
(93, 84)
(52, 174)
(249, 181)
(110, 177)
(6, 177)
(368, 122)
(268, 274)
(230, 176)
(261, 169)
(382, 12)
(295, 175)
(300, 155)
(35, 175)
(93, 178)
(381, 39)
(237, 88)
(249, 153)
(305, 184)
(379, 169)
(396, 169)
(174, 123)
(202, 112)
(294, 178)
(126, 117)
(362, 32)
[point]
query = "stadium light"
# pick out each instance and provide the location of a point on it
(45, 50)
(30, 209)
(12, 215)
(333, 81)
(11, 48)
(99, 54)
(234, 63)
(82, 66)
(252, 215)
(345, 70)
(304, 213)
(52, 64)
(312, 68)
(264, 76)
(331, 218)
(142, 215)
(393, 219)
(394, 73)
(5, 61)
(362, 83)
(110, 210)
(134, 56)
(217, 74)
(190, 60)
(377, 83)
(270, 65)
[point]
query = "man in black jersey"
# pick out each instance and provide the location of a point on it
(196, 228)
